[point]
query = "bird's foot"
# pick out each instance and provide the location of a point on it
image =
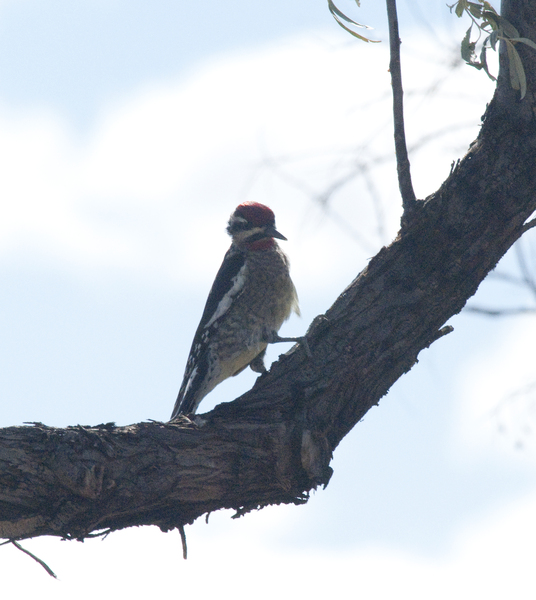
(273, 337)
(257, 364)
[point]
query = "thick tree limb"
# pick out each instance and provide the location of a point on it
(274, 444)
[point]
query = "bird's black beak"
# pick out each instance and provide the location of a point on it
(271, 231)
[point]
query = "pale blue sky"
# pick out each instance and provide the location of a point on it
(74, 56)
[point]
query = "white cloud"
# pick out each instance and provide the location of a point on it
(157, 177)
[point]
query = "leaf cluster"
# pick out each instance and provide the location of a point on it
(488, 22)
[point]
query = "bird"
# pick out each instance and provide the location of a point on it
(252, 295)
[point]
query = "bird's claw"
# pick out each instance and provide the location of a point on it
(273, 337)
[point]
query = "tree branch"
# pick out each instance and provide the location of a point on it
(274, 444)
(403, 168)
(36, 558)
(499, 312)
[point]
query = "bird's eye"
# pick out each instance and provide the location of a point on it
(239, 224)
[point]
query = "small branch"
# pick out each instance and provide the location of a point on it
(183, 540)
(528, 225)
(499, 312)
(441, 333)
(402, 160)
(37, 559)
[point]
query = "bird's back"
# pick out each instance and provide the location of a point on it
(233, 329)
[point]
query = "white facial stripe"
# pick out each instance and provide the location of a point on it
(227, 300)
(242, 236)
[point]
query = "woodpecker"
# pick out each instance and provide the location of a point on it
(250, 299)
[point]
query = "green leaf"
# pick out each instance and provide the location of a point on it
(484, 63)
(355, 34)
(467, 49)
(493, 37)
(491, 19)
(487, 7)
(514, 81)
(461, 5)
(475, 10)
(524, 40)
(508, 29)
(340, 17)
(520, 73)
(518, 80)
(337, 14)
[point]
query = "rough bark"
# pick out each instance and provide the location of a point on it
(274, 444)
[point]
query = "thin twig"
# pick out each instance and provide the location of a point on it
(402, 160)
(37, 559)
(183, 540)
(499, 312)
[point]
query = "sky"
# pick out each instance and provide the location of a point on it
(129, 131)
